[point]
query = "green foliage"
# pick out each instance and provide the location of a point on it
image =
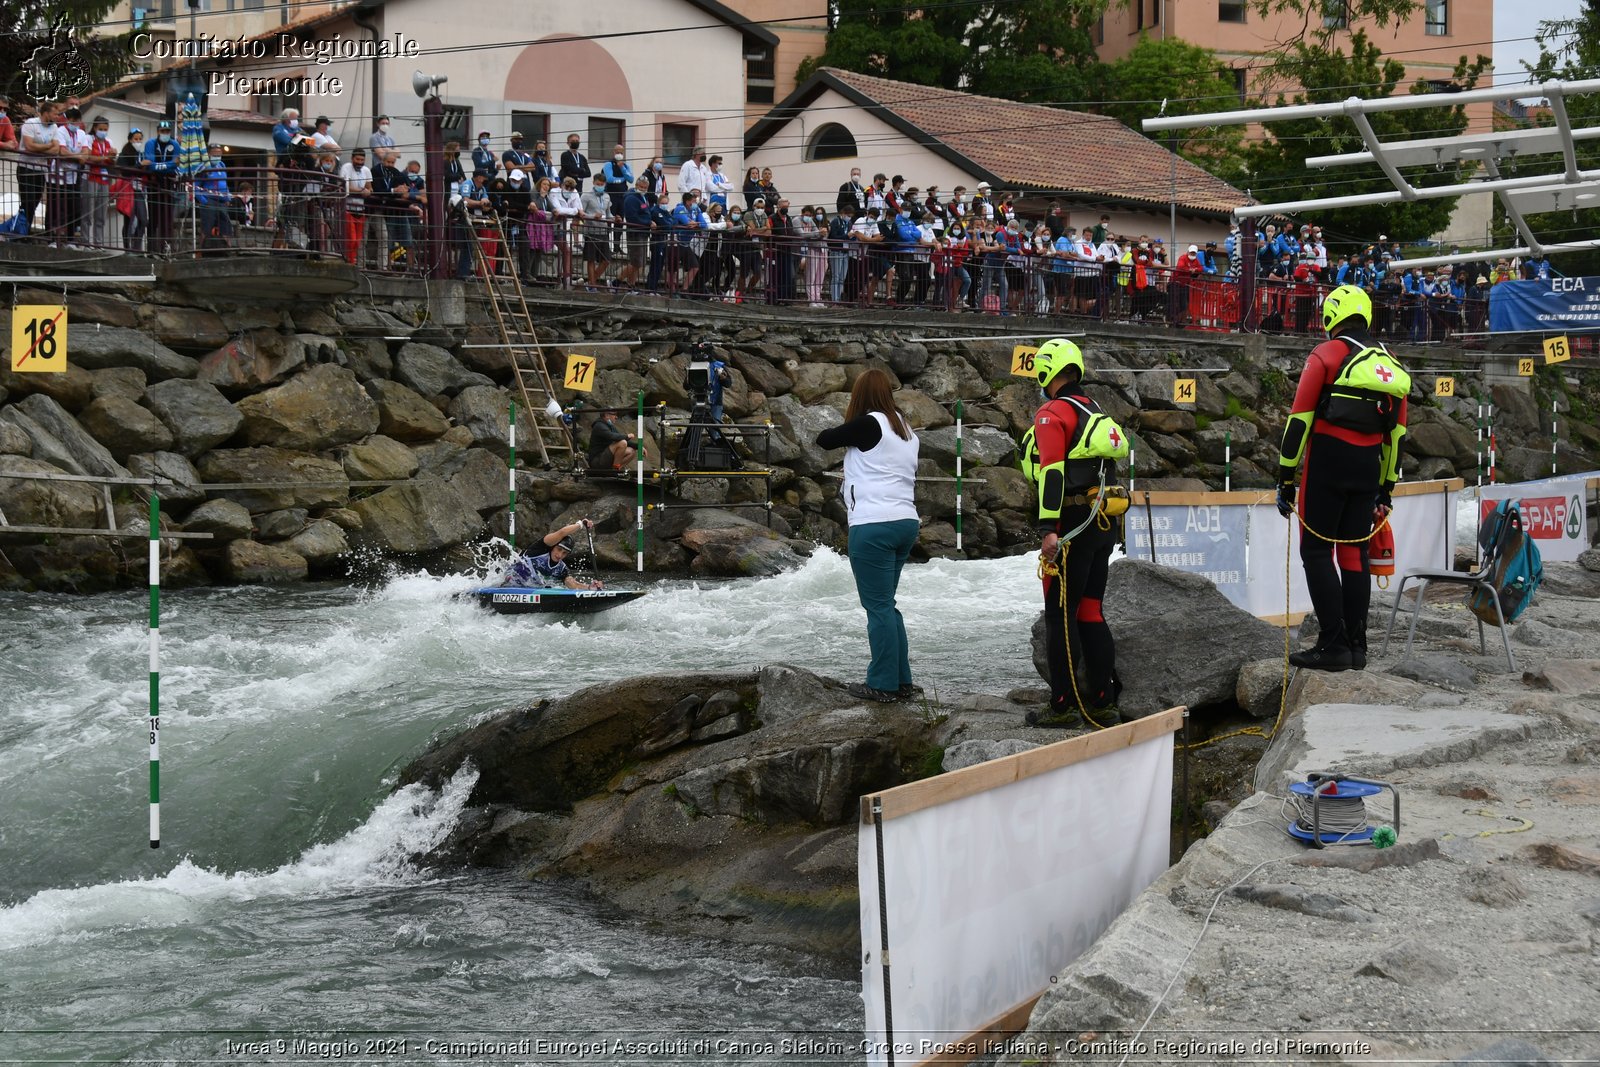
(1202, 420)
(883, 38)
(1191, 80)
(1040, 52)
(100, 60)
(1275, 387)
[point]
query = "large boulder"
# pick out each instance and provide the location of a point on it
(317, 409)
(421, 516)
(1179, 640)
(114, 346)
(222, 519)
(479, 476)
(59, 439)
(279, 478)
(124, 427)
(253, 563)
(949, 378)
(731, 546)
(254, 361)
(320, 544)
(801, 423)
(177, 481)
(813, 381)
(126, 382)
(485, 412)
(404, 415)
(199, 416)
(30, 502)
(431, 370)
(189, 328)
(72, 388)
(922, 412)
(14, 440)
(981, 446)
(378, 458)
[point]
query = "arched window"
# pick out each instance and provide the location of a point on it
(832, 141)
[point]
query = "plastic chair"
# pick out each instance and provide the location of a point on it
(1479, 579)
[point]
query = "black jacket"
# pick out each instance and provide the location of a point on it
(574, 165)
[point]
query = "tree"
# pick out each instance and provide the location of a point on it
(885, 39)
(1328, 75)
(72, 61)
(1039, 52)
(1190, 81)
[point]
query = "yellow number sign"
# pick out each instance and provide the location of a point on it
(1183, 391)
(1022, 361)
(39, 338)
(1557, 350)
(1525, 366)
(580, 373)
(1443, 386)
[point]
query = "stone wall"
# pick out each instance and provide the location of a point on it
(331, 392)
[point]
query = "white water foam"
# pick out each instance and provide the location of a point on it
(377, 853)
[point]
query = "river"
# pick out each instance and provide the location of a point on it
(283, 904)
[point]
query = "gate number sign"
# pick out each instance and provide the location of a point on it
(1557, 350)
(39, 338)
(1183, 391)
(1022, 361)
(580, 373)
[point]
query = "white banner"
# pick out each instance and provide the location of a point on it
(1553, 512)
(992, 892)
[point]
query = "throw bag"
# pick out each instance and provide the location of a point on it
(1380, 550)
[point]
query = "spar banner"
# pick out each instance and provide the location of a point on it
(1553, 513)
(1552, 304)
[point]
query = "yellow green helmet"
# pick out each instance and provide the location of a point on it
(1345, 302)
(1055, 356)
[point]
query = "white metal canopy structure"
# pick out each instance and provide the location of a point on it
(1572, 188)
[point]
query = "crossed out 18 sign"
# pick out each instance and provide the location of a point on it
(39, 338)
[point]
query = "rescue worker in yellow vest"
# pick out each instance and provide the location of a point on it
(1073, 459)
(1348, 417)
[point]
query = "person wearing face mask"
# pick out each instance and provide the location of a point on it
(636, 224)
(483, 161)
(752, 188)
(693, 175)
(852, 199)
(322, 140)
(8, 132)
(284, 133)
(574, 164)
(68, 173)
(211, 199)
(517, 157)
(718, 184)
(809, 228)
(785, 250)
(454, 172)
(97, 186)
(380, 137)
(655, 178)
(839, 246)
(542, 166)
(135, 216)
(161, 161)
(39, 149)
(907, 241)
(877, 194)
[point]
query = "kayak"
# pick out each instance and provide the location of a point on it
(519, 600)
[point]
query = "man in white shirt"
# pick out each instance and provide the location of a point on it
(358, 184)
(39, 147)
(322, 139)
(694, 176)
(74, 147)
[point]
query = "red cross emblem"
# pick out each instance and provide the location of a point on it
(1116, 439)
(1384, 372)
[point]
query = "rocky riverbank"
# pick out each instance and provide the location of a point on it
(266, 425)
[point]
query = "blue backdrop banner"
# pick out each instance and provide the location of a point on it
(1555, 304)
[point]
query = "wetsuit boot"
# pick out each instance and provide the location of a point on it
(1357, 602)
(1331, 652)
(1358, 648)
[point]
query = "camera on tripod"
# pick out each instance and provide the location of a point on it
(704, 447)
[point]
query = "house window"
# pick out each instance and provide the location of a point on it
(1100, 30)
(1230, 10)
(1241, 78)
(603, 134)
(760, 78)
(1336, 14)
(677, 141)
(1146, 13)
(1436, 18)
(272, 104)
(533, 125)
(832, 141)
(456, 124)
(164, 10)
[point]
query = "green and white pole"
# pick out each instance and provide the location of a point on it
(155, 671)
(958, 474)
(511, 480)
(1227, 461)
(638, 513)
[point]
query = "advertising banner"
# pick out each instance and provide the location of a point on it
(1553, 304)
(1553, 513)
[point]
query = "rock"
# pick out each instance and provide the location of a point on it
(114, 346)
(255, 361)
(982, 446)
(921, 411)
(1189, 641)
(199, 416)
(936, 538)
(1154, 389)
(1175, 450)
(906, 357)
(289, 479)
(1507, 1052)
(1442, 671)
(479, 476)
(724, 714)
(801, 424)
(1290, 897)
(431, 370)
(813, 381)
(405, 416)
(126, 382)
(1243, 386)
(1469, 789)
(72, 388)
(368, 358)
(1589, 560)
(277, 525)
(1211, 443)
(669, 728)
(29, 502)
(1569, 579)
(14, 440)
(971, 753)
(317, 409)
(252, 563)
(184, 327)
(1018, 403)
(321, 543)
(1516, 415)
(222, 519)
(59, 439)
(124, 427)
(486, 413)
(176, 478)
(1166, 421)
(761, 374)
(739, 552)
(1430, 432)
(704, 490)
(420, 516)
(1563, 857)
(1259, 689)
(378, 458)
(1410, 963)
(1367, 860)
(343, 518)
(1576, 677)
(1494, 886)
(948, 378)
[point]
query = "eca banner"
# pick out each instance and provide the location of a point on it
(1553, 513)
(1204, 539)
(1554, 304)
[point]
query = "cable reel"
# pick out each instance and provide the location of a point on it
(1331, 809)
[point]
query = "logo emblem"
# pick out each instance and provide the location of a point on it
(1116, 439)
(57, 69)
(1384, 372)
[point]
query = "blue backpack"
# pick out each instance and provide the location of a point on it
(16, 226)
(1515, 569)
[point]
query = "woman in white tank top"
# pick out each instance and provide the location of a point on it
(880, 469)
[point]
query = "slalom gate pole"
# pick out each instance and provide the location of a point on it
(1133, 467)
(1227, 461)
(638, 512)
(155, 671)
(958, 474)
(1480, 442)
(511, 481)
(1554, 411)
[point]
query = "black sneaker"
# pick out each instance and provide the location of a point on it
(866, 692)
(909, 692)
(1061, 717)
(1334, 657)
(1358, 653)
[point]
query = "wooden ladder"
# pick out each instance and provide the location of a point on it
(511, 315)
